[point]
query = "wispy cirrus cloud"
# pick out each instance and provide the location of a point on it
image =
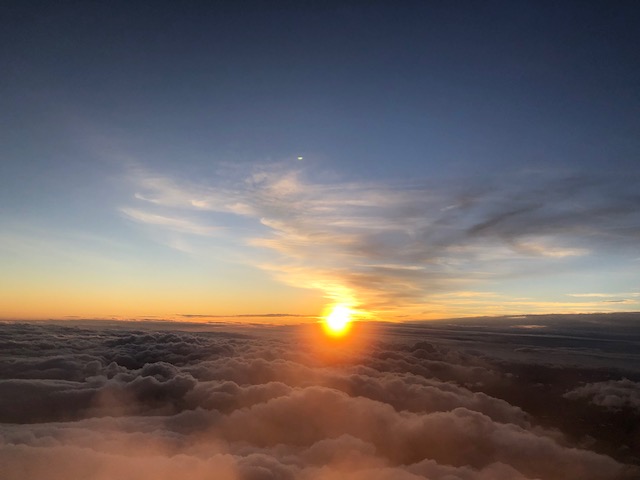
(378, 245)
(173, 223)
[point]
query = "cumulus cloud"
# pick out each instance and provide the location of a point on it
(380, 243)
(275, 403)
(613, 394)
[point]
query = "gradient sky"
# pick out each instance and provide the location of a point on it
(457, 158)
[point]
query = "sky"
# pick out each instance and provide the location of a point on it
(262, 161)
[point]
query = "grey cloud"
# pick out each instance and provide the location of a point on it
(613, 394)
(26, 401)
(601, 210)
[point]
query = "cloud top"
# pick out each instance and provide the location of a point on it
(267, 403)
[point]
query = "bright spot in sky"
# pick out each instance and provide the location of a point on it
(300, 158)
(338, 321)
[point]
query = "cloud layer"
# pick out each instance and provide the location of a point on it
(282, 403)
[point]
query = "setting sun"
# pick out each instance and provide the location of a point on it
(338, 322)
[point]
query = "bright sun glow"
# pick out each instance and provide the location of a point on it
(337, 323)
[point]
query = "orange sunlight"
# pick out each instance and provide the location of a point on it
(338, 322)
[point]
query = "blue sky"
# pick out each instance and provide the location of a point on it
(457, 159)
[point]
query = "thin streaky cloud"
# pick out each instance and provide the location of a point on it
(604, 295)
(243, 315)
(374, 244)
(173, 223)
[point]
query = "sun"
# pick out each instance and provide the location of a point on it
(338, 322)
